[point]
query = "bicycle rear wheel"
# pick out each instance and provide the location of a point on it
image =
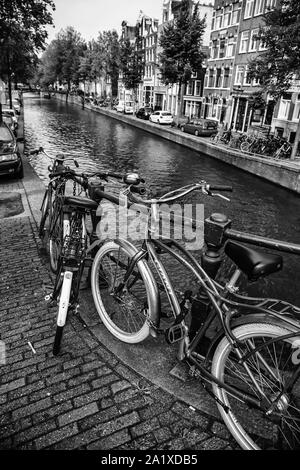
(272, 366)
(123, 306)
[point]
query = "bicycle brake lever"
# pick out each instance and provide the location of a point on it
(221, 196)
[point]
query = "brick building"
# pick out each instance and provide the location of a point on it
(228, 91)
(220, 65)
(242, 113)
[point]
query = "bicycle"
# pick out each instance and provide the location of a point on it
(50, 228)
(284, 151)
(76, 252)
(251, 387)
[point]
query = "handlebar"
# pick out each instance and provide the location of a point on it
(58, 158)
(181, 192)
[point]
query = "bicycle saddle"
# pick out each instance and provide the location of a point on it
(81, 202)
(252, 262)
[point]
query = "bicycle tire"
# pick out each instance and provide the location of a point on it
(56, 237)
(252, 428)
(46, 212)
(245, 147)
(103, 284)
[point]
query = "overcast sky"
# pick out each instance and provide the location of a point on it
(91, 16)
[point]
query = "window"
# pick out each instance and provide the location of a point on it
(259, 7)
(218, 22)
(244, 41)
(249, 8)
(239, 75)
(189, 88)
(235, 17)
(211, 78)
(284, 109)
(254, 41)
(226, 19)
(247, 80)
(256, 82)
(214, 49)
(226, 78)
(230, 48)
(270, 4)
(262, 45)
(222, 48)
(218, 78)
(213, 22)
(197, 88)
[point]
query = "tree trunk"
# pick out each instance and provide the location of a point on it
(9, 79)
(296, 143)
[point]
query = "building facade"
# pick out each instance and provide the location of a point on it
(244, 111)
(225, 26)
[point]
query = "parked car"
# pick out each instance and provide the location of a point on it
(16, 105)
(8, 119)
(125, 107)
(201, 127)
(161, 117)
(6, 112)
(144, 113)
(10, 158)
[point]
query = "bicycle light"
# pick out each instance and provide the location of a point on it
(132, 178)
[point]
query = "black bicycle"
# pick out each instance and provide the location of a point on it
(251, 363)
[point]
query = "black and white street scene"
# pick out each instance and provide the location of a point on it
(149, 227)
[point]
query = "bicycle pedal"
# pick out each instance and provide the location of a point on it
(175, 333)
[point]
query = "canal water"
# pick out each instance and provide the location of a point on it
(100, 142)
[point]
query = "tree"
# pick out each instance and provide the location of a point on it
(279, 64)
(112, 58)
(132, 62)
(22, 35)
(181, 42)
(63, 58)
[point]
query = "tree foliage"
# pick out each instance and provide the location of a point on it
(22, 35)
(62, 59)
(181, 42)
(280, 62)
(131, 61)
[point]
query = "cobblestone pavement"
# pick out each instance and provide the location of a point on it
(85, 398)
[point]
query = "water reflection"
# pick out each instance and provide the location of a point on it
(99, 142)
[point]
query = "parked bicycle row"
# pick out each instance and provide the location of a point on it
(268, 146)
(250, 365)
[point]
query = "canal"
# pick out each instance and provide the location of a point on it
(100, 142)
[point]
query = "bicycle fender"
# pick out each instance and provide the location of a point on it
(154, 309)
(249, 318)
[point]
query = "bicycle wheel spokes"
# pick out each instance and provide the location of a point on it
(125, 301)
(277, 424)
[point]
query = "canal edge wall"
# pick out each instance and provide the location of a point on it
(281, 173)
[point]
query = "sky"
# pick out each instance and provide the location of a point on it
(89, 17)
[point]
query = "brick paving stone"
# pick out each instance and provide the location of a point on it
(120, 386)
(145, 427)
(77, 414)
(96, 395)
(101, 417)
(56, 436)
(12, 385)
(111, 442)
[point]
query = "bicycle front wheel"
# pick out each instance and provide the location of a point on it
(124, 305)
(277, 425)
(46, 212)
(245, 147)
(56, 237)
